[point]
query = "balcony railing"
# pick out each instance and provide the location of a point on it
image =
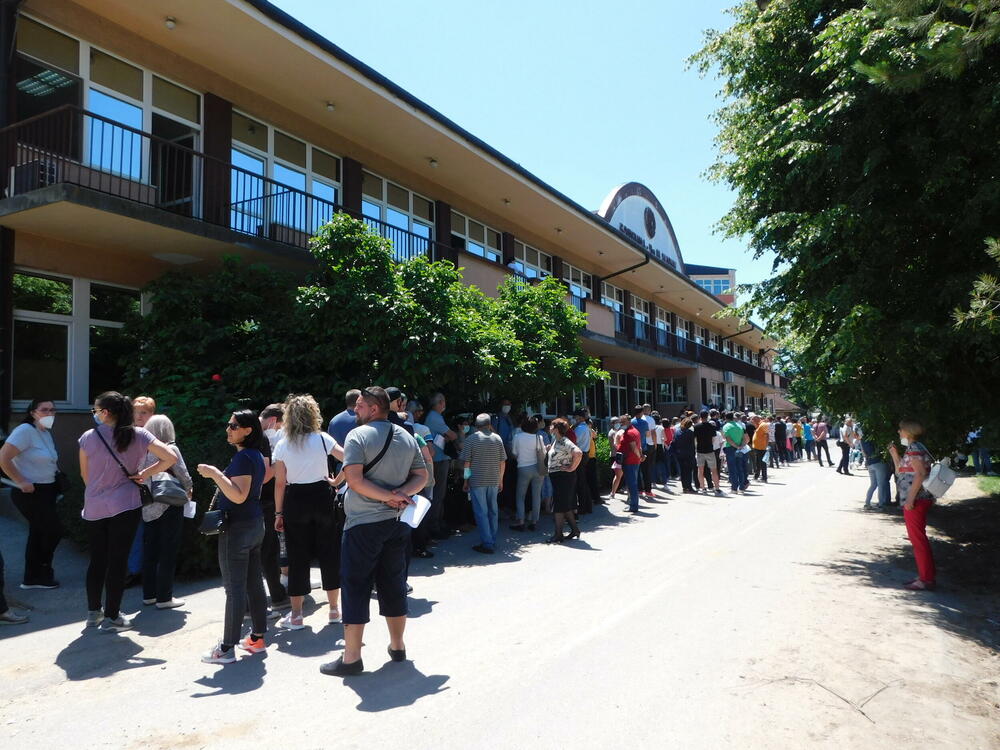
(641, 333)
(73, 146)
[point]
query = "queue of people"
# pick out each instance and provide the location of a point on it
(294, 494)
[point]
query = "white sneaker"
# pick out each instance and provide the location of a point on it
(94, 617)
(147, 602)
(290, 622)
(218, 656)
(284, 580)
(10, 617)
(172, 604)
(117, 625)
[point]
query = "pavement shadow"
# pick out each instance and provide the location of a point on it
(157, 622)
(418, 607)
(308, 643)
(963, 537)
(95, 655)
(394, 685)
(244, 676)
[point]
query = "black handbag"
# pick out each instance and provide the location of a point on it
(145, 494)
(214, 519)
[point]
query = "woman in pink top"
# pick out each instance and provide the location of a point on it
(110, 457)
(820, 435)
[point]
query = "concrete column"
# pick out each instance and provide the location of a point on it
(217, 144)
(350, 180)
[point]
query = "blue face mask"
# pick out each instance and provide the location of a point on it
(97, 419)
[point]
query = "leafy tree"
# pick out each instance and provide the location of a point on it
(860, 139)
(246, 334)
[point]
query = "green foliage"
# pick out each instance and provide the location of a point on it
(602, 454)
(984, 304)
(246, 335)
(866, 161)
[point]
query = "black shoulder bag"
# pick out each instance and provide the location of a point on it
(145, 494)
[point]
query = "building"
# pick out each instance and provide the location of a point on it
(138, 142)
(720, 282)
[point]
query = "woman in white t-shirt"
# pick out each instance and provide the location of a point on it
(305, 508)
(614, 438)
(29, 458)
(524, 447)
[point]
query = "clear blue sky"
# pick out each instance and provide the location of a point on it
(585, 94)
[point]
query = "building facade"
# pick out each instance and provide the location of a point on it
(137, 142)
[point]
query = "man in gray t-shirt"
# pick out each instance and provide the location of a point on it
(484, 459)
(375, 541)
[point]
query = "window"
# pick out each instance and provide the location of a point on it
(612, 296)
(643, 390)
(673, 390)
(413, 214)
(713, 340)
(261, 153)
(580, 282)
(475, 238)
(53, 69)
(728, 347)
(682, 327)
(663, 326)
(531, 262)
(617, 394)
(640, 310)
(718, 389)
(714, 286)
(67, 337)
(700, 335)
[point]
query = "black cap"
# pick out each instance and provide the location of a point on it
(393, 393)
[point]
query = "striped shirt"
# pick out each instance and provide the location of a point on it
(485, 452)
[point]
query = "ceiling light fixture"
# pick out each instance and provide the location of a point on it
(330, 106)
(433, 162)
(506, 201)
(558, 230)
(170, 22)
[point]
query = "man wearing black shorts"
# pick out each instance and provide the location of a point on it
(384, 468)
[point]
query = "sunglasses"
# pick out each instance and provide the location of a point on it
(233, 426)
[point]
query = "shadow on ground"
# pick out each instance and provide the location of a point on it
(964, 534)
(394, 685)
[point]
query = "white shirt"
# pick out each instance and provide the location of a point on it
(652, 430)
(522, 447)
(659, 434)
(305, 462)
(37, 459)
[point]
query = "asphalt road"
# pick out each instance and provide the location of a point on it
(700, 623)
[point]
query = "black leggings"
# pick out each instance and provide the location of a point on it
(845, 458)
(312, 530)
(44, 530)
(270, 554)
(110, 542)
(160, 541)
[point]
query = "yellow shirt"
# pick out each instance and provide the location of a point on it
(760, 437)
(592, 451)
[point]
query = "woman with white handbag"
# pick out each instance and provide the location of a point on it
(163, 520)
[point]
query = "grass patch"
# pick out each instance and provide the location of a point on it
(989, 485)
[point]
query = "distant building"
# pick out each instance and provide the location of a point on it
(720, 282)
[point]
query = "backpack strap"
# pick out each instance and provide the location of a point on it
(388, 440)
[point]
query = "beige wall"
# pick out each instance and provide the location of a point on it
(44, 254)
(480, 273)
(600, 319)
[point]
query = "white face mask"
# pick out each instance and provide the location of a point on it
(905, 441)
(505, 408)
(47, 421)
(270, 434)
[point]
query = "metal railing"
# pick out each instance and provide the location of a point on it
(74, 146)
(642, 333)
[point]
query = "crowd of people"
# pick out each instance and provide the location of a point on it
(294, 493)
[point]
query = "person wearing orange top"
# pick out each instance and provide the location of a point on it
(759, 444)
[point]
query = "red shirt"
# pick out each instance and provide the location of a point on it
(631, 438)
(668, 436)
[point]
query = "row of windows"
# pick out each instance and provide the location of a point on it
(715, 286)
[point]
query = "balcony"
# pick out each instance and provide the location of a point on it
(70, 146)
(634, 332)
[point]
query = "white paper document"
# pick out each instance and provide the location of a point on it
(414, 513)
(190, 507)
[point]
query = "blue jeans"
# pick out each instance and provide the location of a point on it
(737, 476)
(484, 508)
(632, 482)
(981, 460)
(878, 475)
(528, 479)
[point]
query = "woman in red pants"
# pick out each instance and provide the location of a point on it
(911, 471)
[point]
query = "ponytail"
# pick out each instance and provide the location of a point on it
(120, 407)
